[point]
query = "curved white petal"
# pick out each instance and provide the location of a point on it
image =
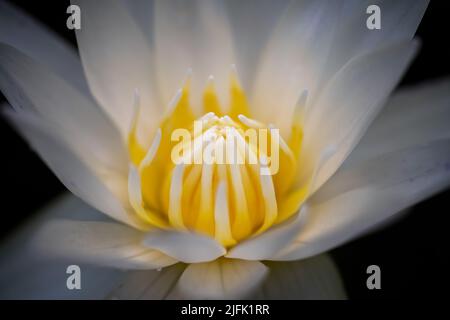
(252, 22)
(142, 13)
(105, 193)
(293, 58)
(117, 60)
(348, 105)
(314, 39)
(412, 116)
(37, 278)
(315, 278)
(21, 31)
(400, 20)
(359, 198)
(33, 88)
(149, 284)
(194, 34)
(220, 279)
(269, 243)
(184, 246)
(25, 273)
(101, 243)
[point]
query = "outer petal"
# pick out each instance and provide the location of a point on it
(293, 58)
(33, 88)
(184, 246)
(196, 35)
(68, 131)
(220, 279)
(326, 36)
(315, 278)
(148, 285)
(35, 277)
(349, 104)
(358, 198)
(102, 192)
(412, 116)
(20, 31)
(101, 243)
(142, 13)
(400, 20)
(117, 60)
(26, 273)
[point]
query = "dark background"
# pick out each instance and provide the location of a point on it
(412, 253)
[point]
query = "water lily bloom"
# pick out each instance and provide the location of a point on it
(350, 157)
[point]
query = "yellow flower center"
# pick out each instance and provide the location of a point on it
(222, 174)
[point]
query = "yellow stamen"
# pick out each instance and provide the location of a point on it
(230, 195)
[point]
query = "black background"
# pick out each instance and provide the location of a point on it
(412, 253)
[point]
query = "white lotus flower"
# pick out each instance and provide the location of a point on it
(310, 68)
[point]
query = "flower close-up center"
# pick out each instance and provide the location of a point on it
(221, 174)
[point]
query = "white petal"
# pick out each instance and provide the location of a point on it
(45, 279)
(184, 246)
(33, 88)
(103, 193)
(21, 31)
(252, 21)
(26, 273)
(316, 278)
(412, 116)
(349, 103)
(288, 67)
(221, 279)
(293, 59)
(269, 243)
(400, 20)
(196, 35)
(149, 284)
(117, 60)
(359, 198)
(142, 13)
(100, 243)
